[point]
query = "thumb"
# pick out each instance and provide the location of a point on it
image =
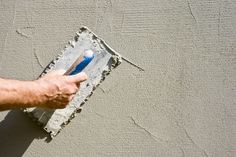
(80, 77)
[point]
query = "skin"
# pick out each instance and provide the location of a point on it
(54, 90)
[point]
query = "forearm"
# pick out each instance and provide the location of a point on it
(54, 90)
(16, 94)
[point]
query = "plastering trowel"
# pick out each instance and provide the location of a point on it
(85, 53)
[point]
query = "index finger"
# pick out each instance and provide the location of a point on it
(80, 77)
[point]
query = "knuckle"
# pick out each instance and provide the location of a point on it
(71, 97)
(72, 91)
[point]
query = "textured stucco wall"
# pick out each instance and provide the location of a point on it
(183, 104)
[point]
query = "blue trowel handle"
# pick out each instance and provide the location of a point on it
(87, 58)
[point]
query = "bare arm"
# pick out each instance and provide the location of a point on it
(54, 90)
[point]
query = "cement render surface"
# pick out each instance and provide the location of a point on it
(183, 104)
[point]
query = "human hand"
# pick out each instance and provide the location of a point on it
(56, 90)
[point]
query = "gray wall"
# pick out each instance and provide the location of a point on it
(183, 104)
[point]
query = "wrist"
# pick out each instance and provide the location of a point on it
(33, 93)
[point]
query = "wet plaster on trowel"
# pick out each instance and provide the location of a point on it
(185, 97)
(105, 59)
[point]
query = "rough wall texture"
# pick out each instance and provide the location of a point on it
(183, 104)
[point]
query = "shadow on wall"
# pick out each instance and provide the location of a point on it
(17, 132)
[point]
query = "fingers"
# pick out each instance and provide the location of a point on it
(80, 77)
(73, 90)
(63, 87)
(71, 97)
(57, 72)
(63, 103)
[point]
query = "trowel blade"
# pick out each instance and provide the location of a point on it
(105, 59)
